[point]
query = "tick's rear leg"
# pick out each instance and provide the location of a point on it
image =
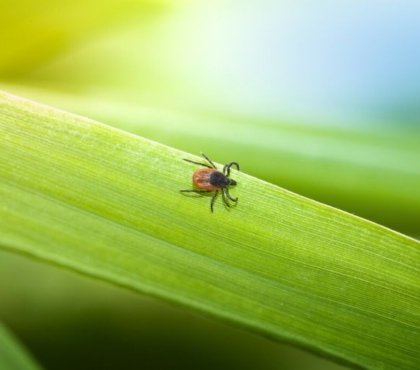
(209, 160)
(199, 163)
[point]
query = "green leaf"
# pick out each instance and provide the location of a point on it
(372, 174)
(12, 354)
(106, 203)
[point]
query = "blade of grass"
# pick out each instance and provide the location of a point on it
(105, 203)
(371, 174)
(12, 354)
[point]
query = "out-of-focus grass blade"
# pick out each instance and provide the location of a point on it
(106, 203)
(34, 33)
(12, 355)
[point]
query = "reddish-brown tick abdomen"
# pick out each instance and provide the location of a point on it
(201, 179)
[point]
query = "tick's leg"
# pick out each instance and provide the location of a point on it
(228, 195)
(213, 200)
(209, 160)
(224, 198)
(227, 166)
(201, 164)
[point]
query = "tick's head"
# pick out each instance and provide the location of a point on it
(232, 182)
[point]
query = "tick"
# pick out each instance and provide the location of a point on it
(209, 179)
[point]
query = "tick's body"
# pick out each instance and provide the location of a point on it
(209, 179)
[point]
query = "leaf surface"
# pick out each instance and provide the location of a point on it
(106, 203)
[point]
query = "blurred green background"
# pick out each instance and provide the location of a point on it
(320, 98)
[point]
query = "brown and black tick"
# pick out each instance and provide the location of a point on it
(208, 179)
